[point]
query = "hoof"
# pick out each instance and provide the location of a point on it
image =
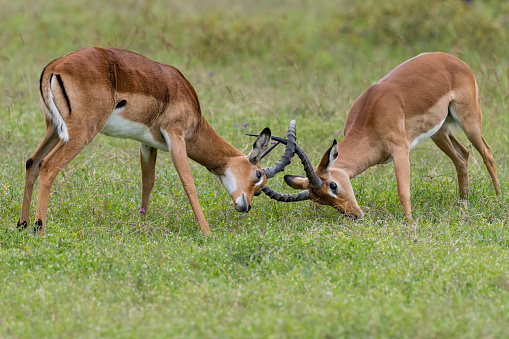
(38, 226)
(22, 226)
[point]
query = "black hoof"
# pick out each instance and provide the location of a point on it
(22, 226)
(37, 226)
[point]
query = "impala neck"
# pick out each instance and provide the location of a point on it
(355, 155)
(209, 149)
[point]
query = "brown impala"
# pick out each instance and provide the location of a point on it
(123, 94)
(417, 100)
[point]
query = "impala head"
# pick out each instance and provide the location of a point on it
(329, 186)
(323, 184)
(243, 176)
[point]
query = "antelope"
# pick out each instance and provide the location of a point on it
(126, 95)
(418, 99)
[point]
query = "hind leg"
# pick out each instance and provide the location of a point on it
(471, 125)
(52, 164)
(487, 155)
(448, 143)
(32, 171)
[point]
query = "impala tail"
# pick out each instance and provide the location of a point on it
(57, 106)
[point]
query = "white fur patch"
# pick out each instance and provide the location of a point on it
(241, 204)
(119, 127)
(167, 139)
(426, 135)
(54, 115)
(333, 156)
(145, 151)
(455, 117)
(338, 189)
(229, 181)
(259, 181)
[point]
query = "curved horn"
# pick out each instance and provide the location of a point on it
(289, 152)
(314, 180)
(303, 195)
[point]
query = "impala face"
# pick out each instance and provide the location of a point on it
(242, 180)
(336, 190)
(243, 176)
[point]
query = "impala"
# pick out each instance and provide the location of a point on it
(123, 94)
(418, 99)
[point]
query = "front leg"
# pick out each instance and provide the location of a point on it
(148, 157)
(177, 147)
(402, 169)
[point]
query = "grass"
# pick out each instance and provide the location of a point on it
(282, 270)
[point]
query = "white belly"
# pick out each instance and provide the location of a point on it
(426, 135)
(119, 127)
(421, 137)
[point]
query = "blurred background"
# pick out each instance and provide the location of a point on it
(259, 62)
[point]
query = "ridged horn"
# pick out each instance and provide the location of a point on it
(303, 195)
(314, 180)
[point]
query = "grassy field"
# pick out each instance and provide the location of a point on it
(281, 270)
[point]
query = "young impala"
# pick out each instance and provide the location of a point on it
(123, 94)
(418, 99)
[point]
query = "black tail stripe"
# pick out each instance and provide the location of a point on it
(40, 82)
(61, 83)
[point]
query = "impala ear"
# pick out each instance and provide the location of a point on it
(296, 182)
(260, 145)
(329, 157)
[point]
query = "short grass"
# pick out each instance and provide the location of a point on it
(282, 270)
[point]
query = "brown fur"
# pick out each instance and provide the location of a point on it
(91, 83)
(383, 122)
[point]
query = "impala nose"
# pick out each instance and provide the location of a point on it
(241, 204)
(359, 215)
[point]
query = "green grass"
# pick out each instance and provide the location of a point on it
(282, 270)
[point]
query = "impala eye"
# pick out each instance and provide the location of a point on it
(333, 187)
(258, 174)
